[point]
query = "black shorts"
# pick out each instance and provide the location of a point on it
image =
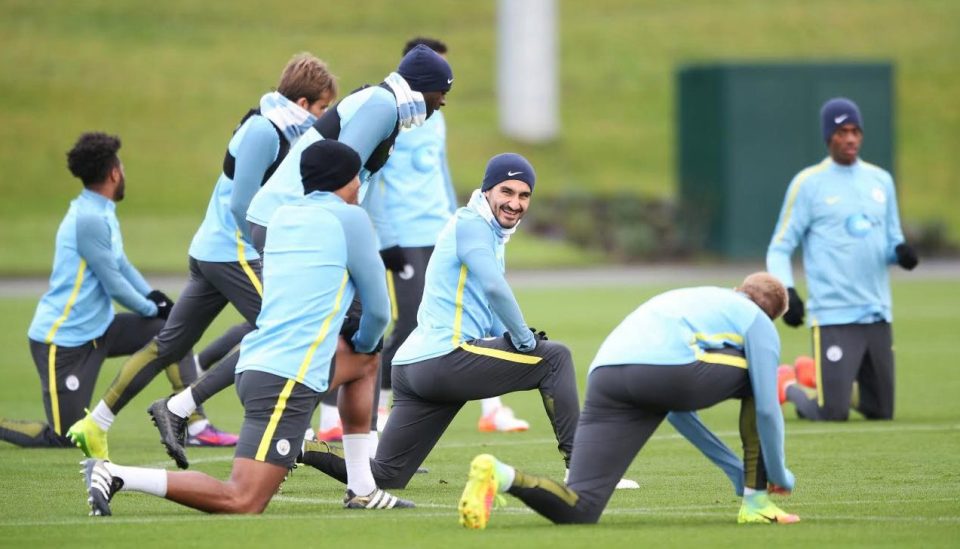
(277, 412)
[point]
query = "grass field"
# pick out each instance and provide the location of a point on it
(859, 483)
(172, 78)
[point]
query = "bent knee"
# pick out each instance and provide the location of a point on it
(248, 504)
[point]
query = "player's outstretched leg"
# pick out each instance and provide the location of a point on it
(101, 486)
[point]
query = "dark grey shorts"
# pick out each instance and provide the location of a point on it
(277, 411)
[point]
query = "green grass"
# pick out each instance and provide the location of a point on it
(859, 483)
(173, 78)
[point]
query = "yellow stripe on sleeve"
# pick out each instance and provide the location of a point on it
(78, 281)
(791, 198)
(242, 258)
(52, 386)
(502, 355)
(458, 314)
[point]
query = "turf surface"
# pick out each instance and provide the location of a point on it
(859, 483)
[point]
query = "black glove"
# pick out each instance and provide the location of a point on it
(164, 303)
(350, 326)
(393, 258)
(537, 338)
(794, 315)
(906, 256)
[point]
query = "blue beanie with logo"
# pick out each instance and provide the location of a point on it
(508, 166)
(837, 112)
(425, 70)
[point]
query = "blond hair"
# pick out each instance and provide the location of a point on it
(306, 76)
(767, 292)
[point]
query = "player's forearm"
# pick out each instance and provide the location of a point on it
(689, 425)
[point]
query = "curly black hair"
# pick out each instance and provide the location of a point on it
(93, 156)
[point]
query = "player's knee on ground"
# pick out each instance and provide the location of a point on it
(832, 412)
(244, 501)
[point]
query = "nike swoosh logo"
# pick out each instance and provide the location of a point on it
(771, 519)
(449, 80)
(840, 119)
(511, 174)
(831, 200)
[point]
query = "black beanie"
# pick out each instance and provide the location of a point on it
(425, 70)
(328, 165)
(508, 166)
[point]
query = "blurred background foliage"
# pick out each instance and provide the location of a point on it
(173, 78)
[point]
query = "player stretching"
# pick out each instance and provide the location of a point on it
(285, 364)
(683, 350)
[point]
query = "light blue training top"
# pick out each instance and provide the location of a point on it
(90, 270)
(319, 252)
(846, 219)
(682, 326)
(367, 117)
(466, 296)
(255, 146)
(414, 187)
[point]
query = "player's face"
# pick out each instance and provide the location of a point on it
(121, 180)
(845, 144)
(320, 106)
(509, 201)
(350, 193)
(434, 101)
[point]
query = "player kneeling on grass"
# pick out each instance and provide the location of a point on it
(471, 341)
(683, 350)
(320, 251)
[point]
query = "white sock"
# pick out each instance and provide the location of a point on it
(748, 492)
(385, 395)
(329, 417)
(490, 405)
(182, 403)
(374, 442)
(102, 416)
(197, 427)
(506, 474)
(357, 456)
(140, 479)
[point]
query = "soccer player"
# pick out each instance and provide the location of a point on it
(368, 120)
(681, 351)
(319, 253)
(471, 340)
(843, 211)
(224, 267)
(75, 328)
(417, 197)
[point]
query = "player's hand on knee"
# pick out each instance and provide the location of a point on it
(794, 315)
(163, 302)
(539, 335)
(906, 256)
(527, 347)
